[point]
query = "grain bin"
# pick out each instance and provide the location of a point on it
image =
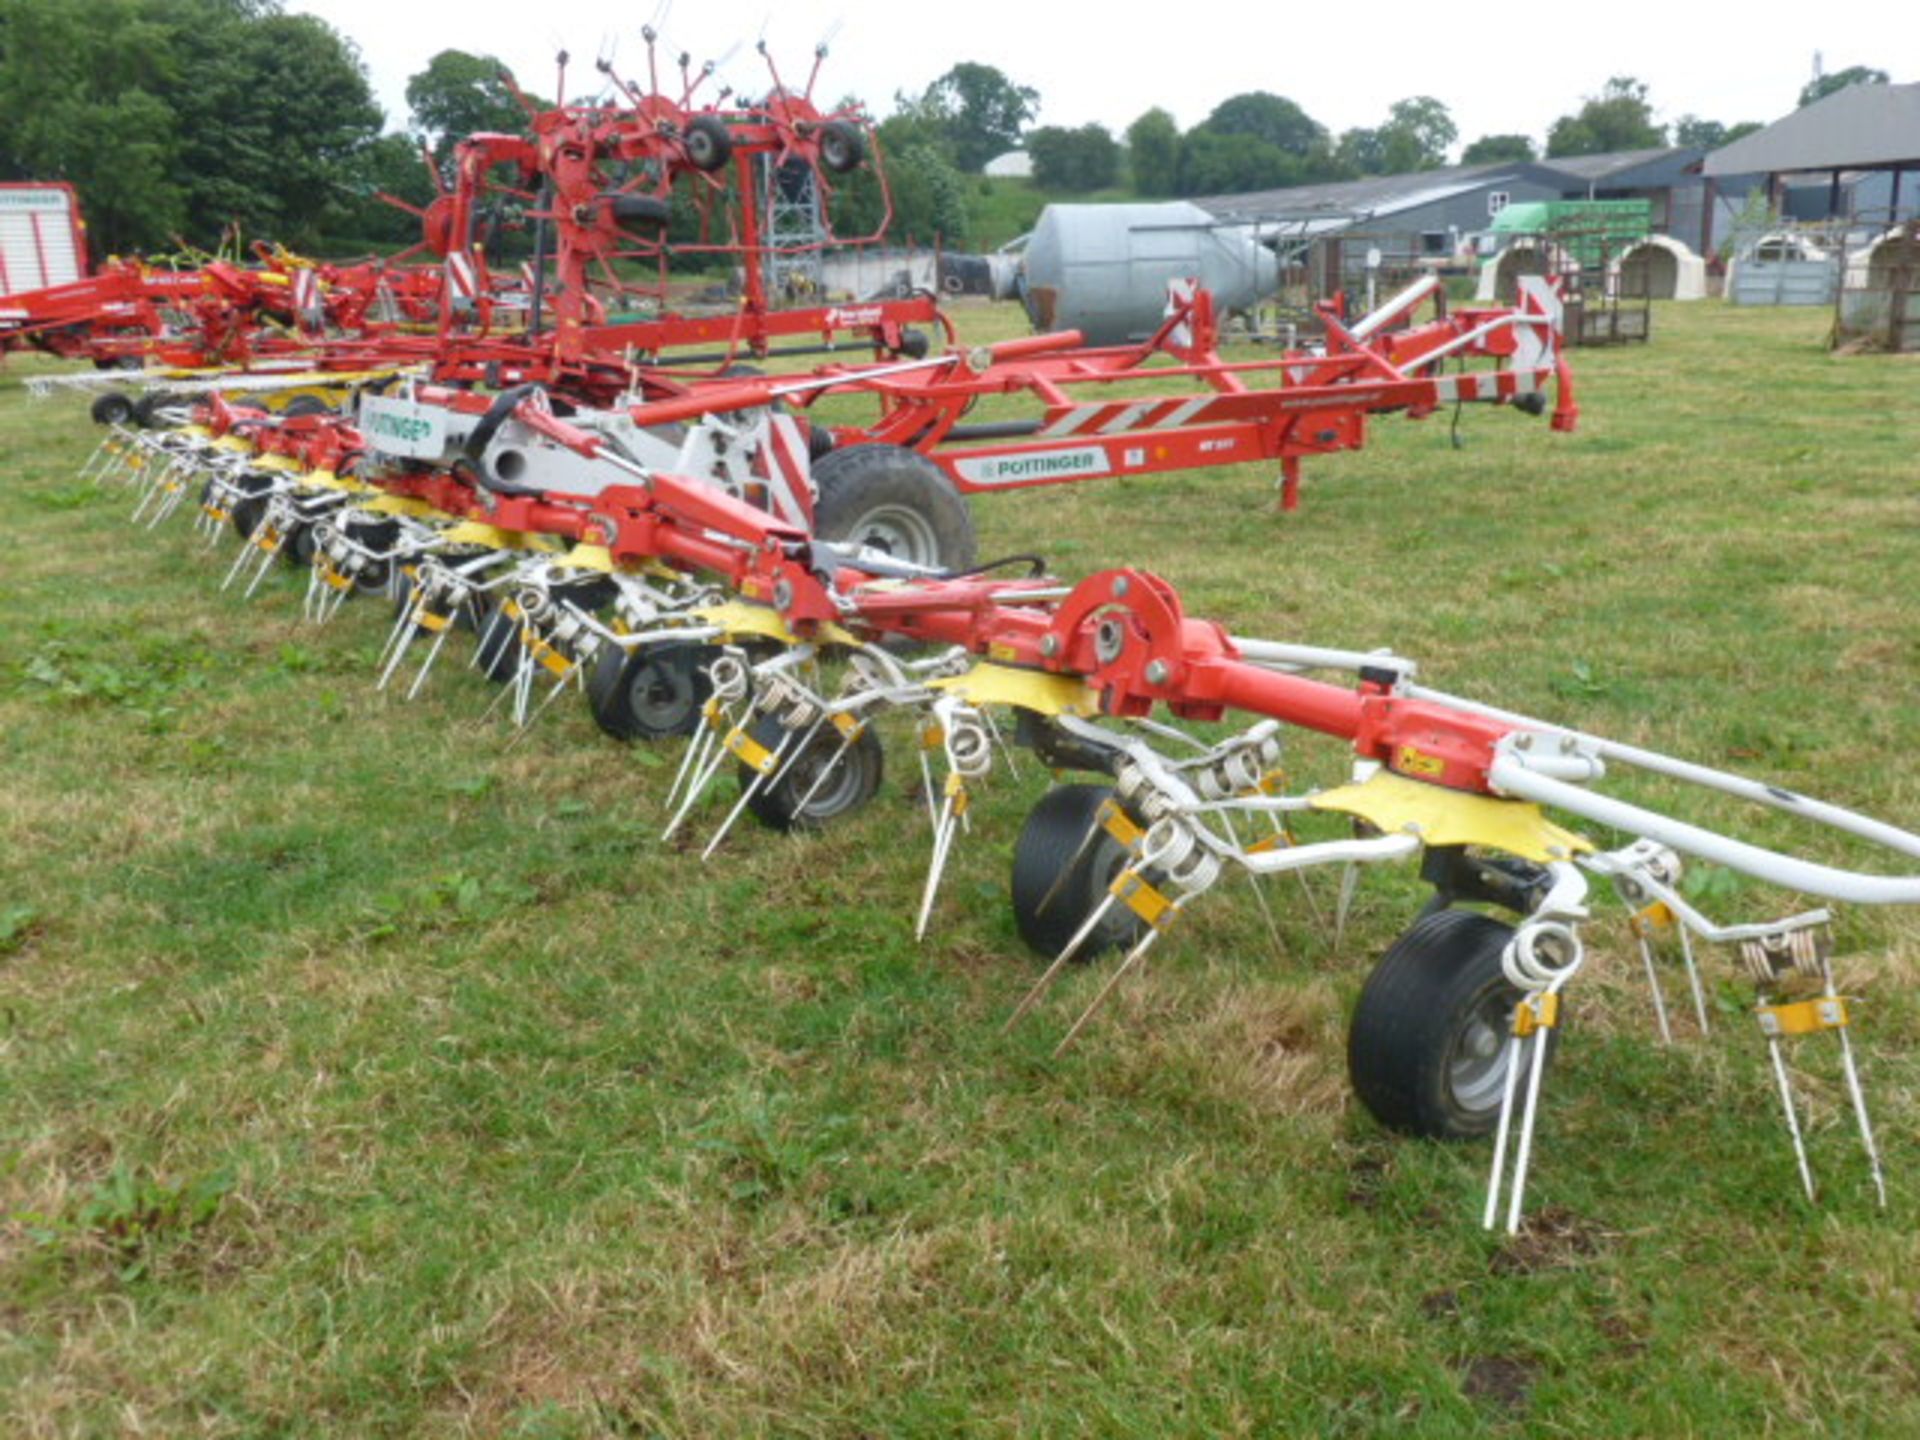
(1103, 269)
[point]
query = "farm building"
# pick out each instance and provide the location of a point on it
(1407, 217)
(1430, 214)
(1665, 177)
(1855, 153)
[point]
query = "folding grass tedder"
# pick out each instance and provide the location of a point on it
(730, 563)
(675, 571)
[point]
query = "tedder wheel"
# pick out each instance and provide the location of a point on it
(113, 408)
(305, 405)
(894, 500)
(1427, 1050)
(297, 553)
(709, 143)
(831, 777)
(148, 407)
(249, 510)
(1060, 876)
(650, 693)
(841, 147)
(498, 654)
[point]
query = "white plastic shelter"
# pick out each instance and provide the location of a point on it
(1500, 272)
(1660, 268)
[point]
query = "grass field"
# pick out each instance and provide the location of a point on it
(360, 1075)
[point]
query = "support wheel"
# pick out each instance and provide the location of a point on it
(1060, 877)
(830, 777)
(894, 500)
(709, 143)
(1427, 1049)
(651, 693)
(842, 147)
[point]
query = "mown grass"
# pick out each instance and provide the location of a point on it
(360, 1075)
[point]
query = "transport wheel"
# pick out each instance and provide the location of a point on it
(1427, 1049)
(842, 147)
(650, 693)
(833, 779)
(709, 143)
(1057, 883)
(113, 408)
(894, 500)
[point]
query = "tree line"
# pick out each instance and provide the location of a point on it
(181, 119)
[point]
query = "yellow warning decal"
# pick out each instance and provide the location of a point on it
(1413, 762)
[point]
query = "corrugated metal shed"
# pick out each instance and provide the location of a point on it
(1855, 128)
(1662, 165)
(1376, 195)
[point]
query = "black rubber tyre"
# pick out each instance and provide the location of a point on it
(498, 655)
(297, 552)
(709, 143)
(1050, 906)
(115, 407)
(147, 408)
(381, 577)
(895, 500)
(842, 147)
(640, 212)
(248, 511)
(304, 405)
(1427, 1047)
(854, 778)
(652, 693)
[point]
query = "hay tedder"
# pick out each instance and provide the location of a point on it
(769, 570)
(694, 600)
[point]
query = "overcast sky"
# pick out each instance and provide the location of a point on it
(1498, 67)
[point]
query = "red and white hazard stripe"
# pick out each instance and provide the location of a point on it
(1117, 415)
(306, 291)
(789, 472)
(460, 281)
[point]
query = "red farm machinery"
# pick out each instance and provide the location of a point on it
(767, 571)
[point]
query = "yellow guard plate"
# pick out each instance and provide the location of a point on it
(1036, 690)
(737, 617)
(1395, 805)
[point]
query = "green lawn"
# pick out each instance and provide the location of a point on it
(361, 1075)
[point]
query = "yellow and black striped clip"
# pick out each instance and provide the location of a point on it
(1133, 890)
(1803, 1017)
(750, 751)
(1536, 1012)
